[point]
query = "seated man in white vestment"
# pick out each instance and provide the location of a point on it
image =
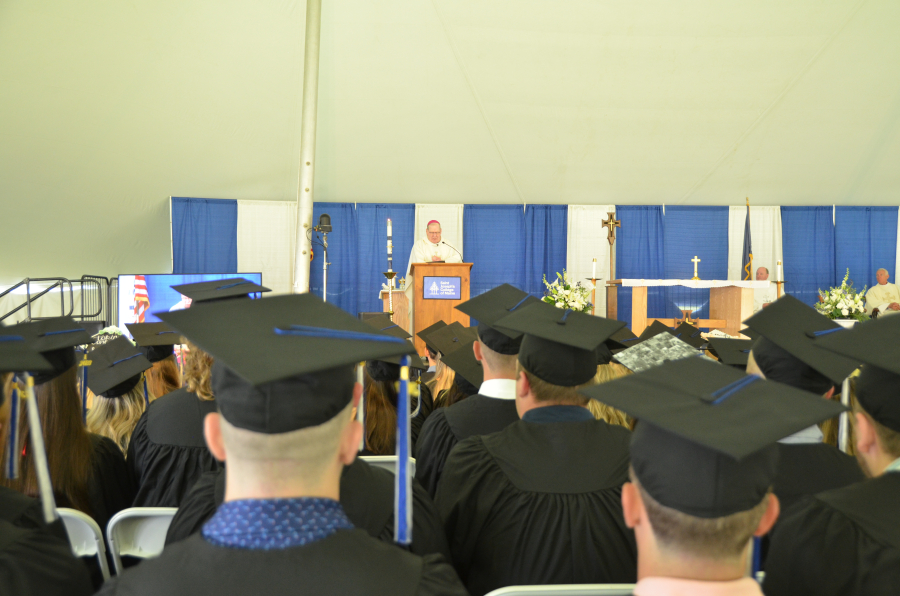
(884, 297)
(763, 297)
(429, 249)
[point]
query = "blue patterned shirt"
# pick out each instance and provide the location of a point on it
(273, 524)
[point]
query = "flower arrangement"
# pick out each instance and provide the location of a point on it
(563, 294)
(843, 302)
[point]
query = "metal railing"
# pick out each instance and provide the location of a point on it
(95, 295)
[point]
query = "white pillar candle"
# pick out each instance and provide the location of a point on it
(594, 269)
(389, 228)
(390, 248)
(780, 275)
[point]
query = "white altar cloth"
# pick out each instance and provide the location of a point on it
(694, 283)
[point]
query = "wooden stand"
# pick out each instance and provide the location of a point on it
(427, 311)
(401, 307)
(780, 289)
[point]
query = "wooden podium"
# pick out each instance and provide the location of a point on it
(401, 307)
(427, 311)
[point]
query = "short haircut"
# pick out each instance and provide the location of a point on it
(496, 361)
(433, 222)
(883, 269)
(716, 538)
(308, 451)
(766, 268)
(889, 439)
(547, 392)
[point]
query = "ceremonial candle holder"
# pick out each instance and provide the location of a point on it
(390, 277)
(593, 281)
(779, 290)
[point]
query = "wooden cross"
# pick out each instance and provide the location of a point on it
(695, 260)
(612, 223)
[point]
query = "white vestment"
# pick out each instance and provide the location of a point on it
(424, 251)
(880, 296)
(764, 296)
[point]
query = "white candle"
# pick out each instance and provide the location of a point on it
(389, 228)
(390, 247)
(780, 276)
(594, 269)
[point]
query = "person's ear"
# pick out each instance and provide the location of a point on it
(476, 349)
(632, 505)
(523, 387)
(212, 431)
(769, 517)
(352, 435)
(866, 438)
(830, 393)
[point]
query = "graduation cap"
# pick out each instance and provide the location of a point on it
(689, 335)
(220, 289)
(559, 345)
(17, 355)
(384, 324)
(55, 339)
(116, 368)
(463, 363)
(750, 333)
(654, 352)
(285, 362)
(155, 340)
(655, 329)
(733, 352)
(875, 343)
(449, 338)
(490, 307)
(704, 441)
(622, 340)
(424, 333)
(787, 350)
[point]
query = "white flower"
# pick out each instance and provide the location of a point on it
(845, 312)
(560, 305)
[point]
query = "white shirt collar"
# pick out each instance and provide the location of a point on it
(894, 467)
(499, 389)
(806, 436)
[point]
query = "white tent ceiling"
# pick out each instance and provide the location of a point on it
(108, 108)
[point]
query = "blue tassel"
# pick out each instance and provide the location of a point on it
(12, 448)
(727, 391)
(146, 395)
(757, 556)
(390, 327)
(237, 283)
(61, 332)
(518, 304)
(565, 316)
(11, 338)
(124, 359)
(824, 332)
(84, 390)
(324, 333)
(403, 487)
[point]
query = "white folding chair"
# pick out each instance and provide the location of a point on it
(566, 590)
(138, 532)
(388, 462)
(85, 537)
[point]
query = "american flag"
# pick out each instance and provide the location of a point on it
(141, 298)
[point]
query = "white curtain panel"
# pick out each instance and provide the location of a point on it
(765, 232)
(266, 240)
(587, 240)
(451, 218)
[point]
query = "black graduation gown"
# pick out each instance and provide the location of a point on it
(841, 542)
(347, 562)
(539, 503)
(167, 452)
(418, 421)
(34, 562)
(367, 496)
(475, 415)
(808, 469)
(111, 488)
(26, 512)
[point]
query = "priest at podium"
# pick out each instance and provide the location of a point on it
(883, 297)
(428, 250)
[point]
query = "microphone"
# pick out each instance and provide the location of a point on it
(454, 250)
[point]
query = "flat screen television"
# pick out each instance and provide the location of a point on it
(156, 287)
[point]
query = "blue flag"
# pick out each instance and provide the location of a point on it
(747, 259)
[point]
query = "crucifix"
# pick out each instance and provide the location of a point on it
(695, 260)
(612, 223)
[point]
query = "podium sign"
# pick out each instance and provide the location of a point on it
(442, 288)
(438, 288)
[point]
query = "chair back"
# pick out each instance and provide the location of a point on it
(138, 532)
(388, 462)
(566, 590)
(85, 537)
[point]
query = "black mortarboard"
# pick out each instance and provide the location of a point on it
(704, 441)
(559, 345)
(282, 363)
(622, 340)
(793, 327)
(155, 340)
(55, 339)
(490, 307)
(220, 289)
(875, 343)
(18, 355)
(690, 335)
(463, 363)
(655, 329)
(654, 352)
(749, 333)
(424, 333)
(116, 368)
(384, 324)
(450, 337)
(733, 352)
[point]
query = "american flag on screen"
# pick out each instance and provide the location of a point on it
(141, 298)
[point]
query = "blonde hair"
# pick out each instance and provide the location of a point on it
(707, 538)
(441, 381)
(547, 392)
(198, 372)
(307, 452)
(601, 411)
(116, 417)
(889, 439)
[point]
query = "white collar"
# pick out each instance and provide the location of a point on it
(499, 389)
(806, 436)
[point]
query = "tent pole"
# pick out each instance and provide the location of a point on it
(307, 146)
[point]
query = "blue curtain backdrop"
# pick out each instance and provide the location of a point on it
(807, 238)
(372, 222)
(204, 235)
(694, 231)
(639, 255)
(343, 254)
(494, 241)
(546, 235)
(865, 240)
